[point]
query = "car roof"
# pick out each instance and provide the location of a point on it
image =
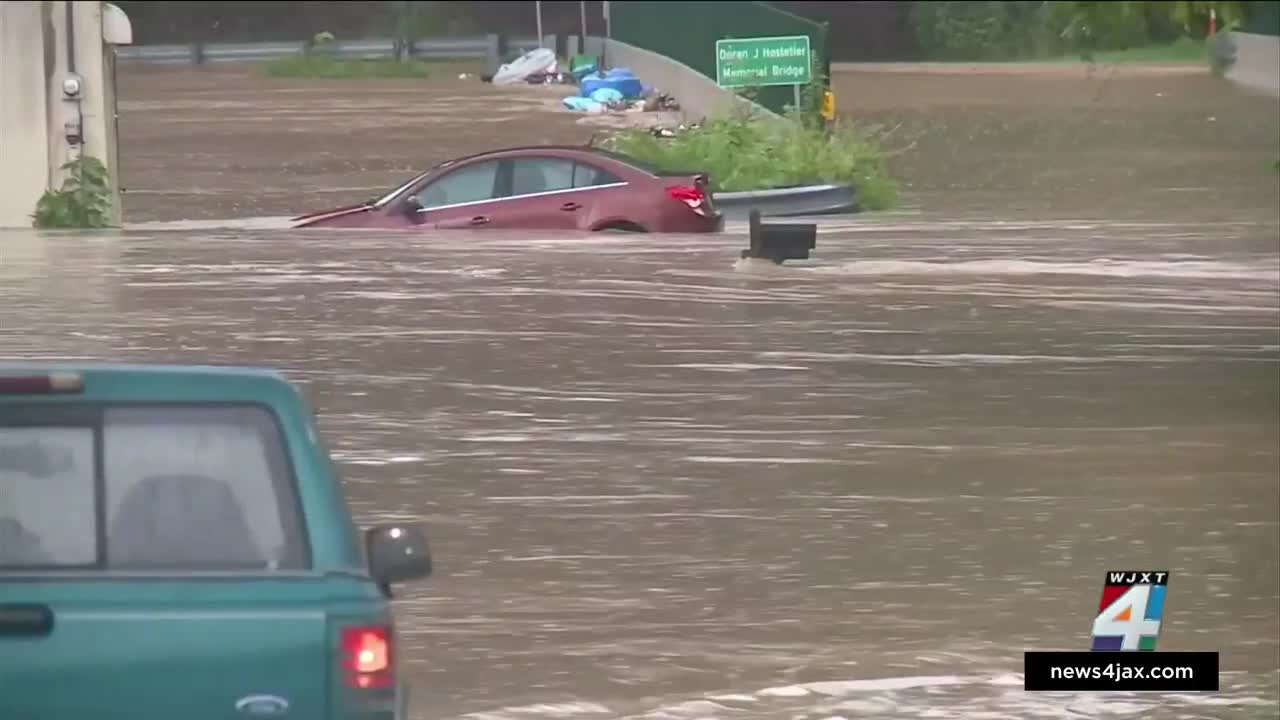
(140, 368)
(615, 156)
(133, 382)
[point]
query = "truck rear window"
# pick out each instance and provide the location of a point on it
(155, 487)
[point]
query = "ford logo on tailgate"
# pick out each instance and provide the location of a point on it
(262, 706)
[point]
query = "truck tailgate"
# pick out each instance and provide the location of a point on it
(156, 648)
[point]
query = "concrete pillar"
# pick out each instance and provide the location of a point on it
(39, 50)
(24, 112)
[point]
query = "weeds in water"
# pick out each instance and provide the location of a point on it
(83, 201)
(320, 66)
(747, 152)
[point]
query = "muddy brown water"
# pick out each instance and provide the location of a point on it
(663, 483)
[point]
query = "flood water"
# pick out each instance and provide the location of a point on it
(662, 483)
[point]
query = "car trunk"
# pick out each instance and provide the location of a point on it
(165, 647)
(698, 180)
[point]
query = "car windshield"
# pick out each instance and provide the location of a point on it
(392, 195)
(147, 488)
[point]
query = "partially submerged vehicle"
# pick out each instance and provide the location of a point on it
(545, 187)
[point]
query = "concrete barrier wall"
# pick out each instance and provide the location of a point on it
(1257, 65)
(698, 95)
(24, 112)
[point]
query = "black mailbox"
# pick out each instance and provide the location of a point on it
(779, 242)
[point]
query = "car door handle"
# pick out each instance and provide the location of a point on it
(25, 620)
(479, 220)
(571, 206)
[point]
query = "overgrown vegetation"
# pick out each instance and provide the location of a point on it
(984, 30)
(752, 151)
(83, 201)
(1028, 30)
(747, 152)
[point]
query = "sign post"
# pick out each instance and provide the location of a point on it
(764, 61)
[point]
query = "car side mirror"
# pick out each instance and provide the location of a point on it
(397, 553)
(413, 209)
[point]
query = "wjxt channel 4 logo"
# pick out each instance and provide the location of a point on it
(1131, 610)
(1129, 620)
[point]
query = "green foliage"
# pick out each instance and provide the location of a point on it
(1089, 25)
(415, 19)
(968, 30)
(320, 66)
(984, 30)
(745, 152)
(83, 201)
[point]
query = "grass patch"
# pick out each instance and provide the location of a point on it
(319, 66)
(749, 153)
(1183, 51)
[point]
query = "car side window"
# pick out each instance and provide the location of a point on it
(585, 175)
(531, 175)
(473, 183)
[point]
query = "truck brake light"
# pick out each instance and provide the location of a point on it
(55, 382)
(367, 656)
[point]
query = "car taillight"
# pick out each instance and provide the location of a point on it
(690, 195)
(56, 382)
(367, 656)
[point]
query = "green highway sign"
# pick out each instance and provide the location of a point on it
(757, 62)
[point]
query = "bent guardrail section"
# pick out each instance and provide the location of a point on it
(785, 202)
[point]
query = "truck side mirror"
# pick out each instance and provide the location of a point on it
(397, 553)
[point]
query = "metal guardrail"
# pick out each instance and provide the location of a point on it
(785, 202)
(484, 46)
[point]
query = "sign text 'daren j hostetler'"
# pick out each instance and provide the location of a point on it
(742, 62)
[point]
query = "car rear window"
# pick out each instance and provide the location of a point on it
(636, 163)
(147, 488)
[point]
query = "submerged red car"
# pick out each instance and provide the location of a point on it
(542, 188)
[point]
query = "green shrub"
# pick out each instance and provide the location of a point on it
(985, 30)
(745, 152)
(320, 66)
(1020, 30)
(83, 201)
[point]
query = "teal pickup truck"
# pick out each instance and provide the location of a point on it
(174, 543)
